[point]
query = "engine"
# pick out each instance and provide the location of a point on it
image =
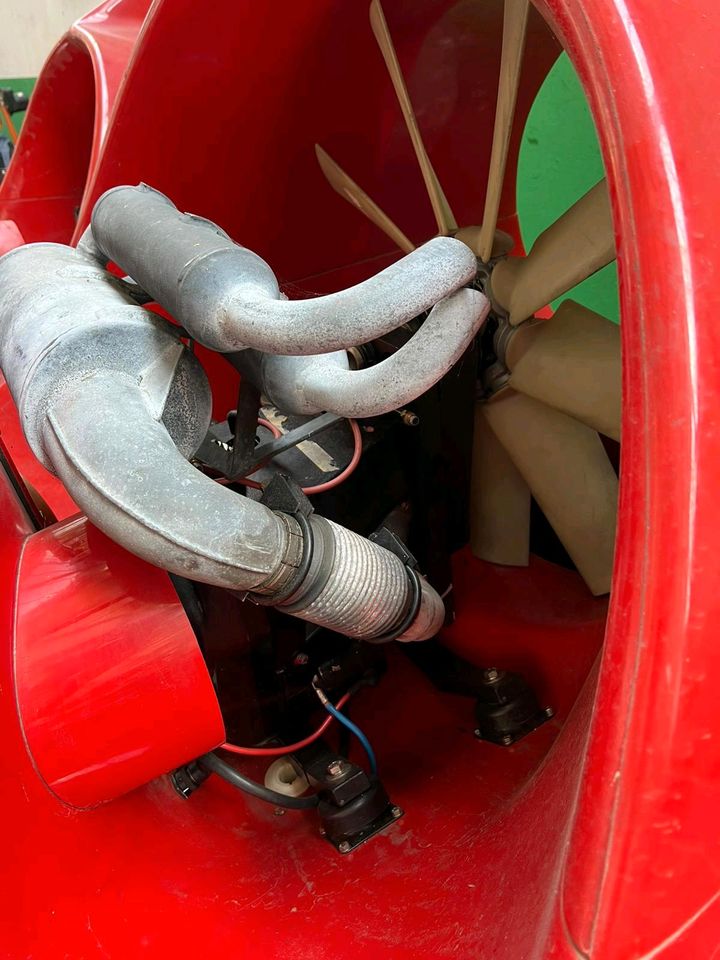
(292, 578)
(308, 526)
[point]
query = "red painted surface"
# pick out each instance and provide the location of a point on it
(598, 835)
(10, 236)
(111, 687)
(52, 491)
(643, 875)
(71, 106)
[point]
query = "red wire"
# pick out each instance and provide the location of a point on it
(270, 426)
(344, 474)
(329, 484)
(279, 751)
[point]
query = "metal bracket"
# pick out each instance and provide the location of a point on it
(271, 448)
(231, 448)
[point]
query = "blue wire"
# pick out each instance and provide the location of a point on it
(358, 733)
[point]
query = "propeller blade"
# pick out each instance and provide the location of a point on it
(513, 43)
(347, 188)
(502, 242)
(441, 208)
(499, 500)
(572, 363)
(578, 244)
(565, 465)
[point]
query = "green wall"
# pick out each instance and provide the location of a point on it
(559, 162)
(23, 85)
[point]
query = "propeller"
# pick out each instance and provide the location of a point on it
(572, 363)
(346, 187)
(513, 43)
(568, 472)
(578, 244)
(538, 436)
(485, 241)
(441, 208)
(499, 498)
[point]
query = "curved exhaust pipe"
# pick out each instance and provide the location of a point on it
(307, 385)
(113, 403)
(228, 298)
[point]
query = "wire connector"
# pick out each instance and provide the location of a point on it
(321, 694)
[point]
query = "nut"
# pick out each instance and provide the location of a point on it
(336, 768)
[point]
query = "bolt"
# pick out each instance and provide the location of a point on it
(507, 740)
(408, 417)
(478, 734)
(336, 768)
(396, 812)
(491, 674)
(301, 659)
(322, 831)
(549, 712)
(344, 847)
(279, 812)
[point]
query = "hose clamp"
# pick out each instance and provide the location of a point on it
(387, 539)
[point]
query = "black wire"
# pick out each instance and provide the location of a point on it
(214, 764)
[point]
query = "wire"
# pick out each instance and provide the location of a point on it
(353, 728)
(288, 748)
(275, 431)
(214, 764)
(329, 484)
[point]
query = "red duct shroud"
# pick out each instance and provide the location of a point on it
(112, 689)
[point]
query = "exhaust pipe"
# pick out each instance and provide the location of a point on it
(307, 385)
(114, 404)
(228, 298)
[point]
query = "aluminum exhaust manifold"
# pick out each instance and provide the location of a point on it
(229, 299)
(307, 385)
(114, 404)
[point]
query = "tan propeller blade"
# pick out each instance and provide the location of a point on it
(346, 187)
(572, 363)
(578, 244)
(500, 500)
(501, 245)
(441, 208)
(513, 43)
(565, 465)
